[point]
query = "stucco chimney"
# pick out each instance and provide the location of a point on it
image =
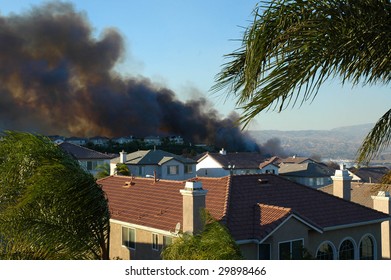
(122, 157)
(342, 183)
(193, 202)
(223, 152)
(382, 203)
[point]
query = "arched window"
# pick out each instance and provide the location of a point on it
(346, 250)
(325, 252)
(367, 248)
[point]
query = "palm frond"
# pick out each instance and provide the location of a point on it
(292, 47)
(377, 139)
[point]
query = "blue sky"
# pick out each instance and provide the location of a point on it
(181, 44)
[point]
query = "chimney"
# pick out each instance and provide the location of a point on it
(193, 202)
(382, 203)
(122, 157)
(223, 152)
(342, 183)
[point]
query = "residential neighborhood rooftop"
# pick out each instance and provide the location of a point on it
(83, 153)
(251, 206)
(153, 157)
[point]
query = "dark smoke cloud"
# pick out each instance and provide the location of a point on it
(56, 78)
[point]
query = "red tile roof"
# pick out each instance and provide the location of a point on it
(249, 208)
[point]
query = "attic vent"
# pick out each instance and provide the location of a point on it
(128, 184)
(263, 181)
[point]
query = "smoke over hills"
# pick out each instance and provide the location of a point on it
(56, 78)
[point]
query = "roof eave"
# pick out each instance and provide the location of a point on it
(356, 224)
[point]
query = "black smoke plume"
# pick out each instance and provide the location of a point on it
(57, 78)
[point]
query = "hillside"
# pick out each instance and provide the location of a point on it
(337, 143)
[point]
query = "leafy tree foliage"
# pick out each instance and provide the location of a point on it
(103, 171)
(50, 207)
(292, 47)
(122, 169)
(213, 243)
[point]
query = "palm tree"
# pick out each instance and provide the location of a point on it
(292, 47)
(51, 208)
(122, 169)
(103, 171)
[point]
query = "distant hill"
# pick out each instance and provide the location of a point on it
(337, 143)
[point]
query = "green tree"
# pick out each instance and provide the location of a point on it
(122, 169)
(103, 170)
(50, 207)
(292, 47)
(213, 243)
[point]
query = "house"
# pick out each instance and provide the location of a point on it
(77, 140)
(222, 164)
(56, 139)
(294, 160)
(152, 141)
(177, 140)
(123, 139)
(369, 174)
(87, 158)
(309, 173)
(269, 217)
(156, 163)
(99, 140)
(374, 196)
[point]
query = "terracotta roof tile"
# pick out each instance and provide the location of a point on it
(249, 208)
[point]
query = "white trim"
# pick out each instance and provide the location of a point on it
(356, 224)
(355, 253)
(159, 231)
(374, 245)
(286, 220)
(332, 247)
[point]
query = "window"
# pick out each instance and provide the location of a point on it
(167, 240)
(188, 168)
(264, 252)
(367, 248)
(155, 242)
(129, 237)
(141, 170)
(172, 169)
(346, 250)
(291, 250)
(325, 252)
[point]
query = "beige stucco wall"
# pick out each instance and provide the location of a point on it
(336, 237)
(143, 250)
(294, 230)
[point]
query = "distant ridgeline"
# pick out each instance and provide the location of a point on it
(337, 143)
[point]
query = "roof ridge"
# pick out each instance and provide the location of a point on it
(227, 198)
(288, 209)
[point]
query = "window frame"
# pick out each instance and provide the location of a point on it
(188, 168)
(290, 248)
(354, 248)
(165, 238)
(176, 166)
(129, 230)
(155, 241)
(334, 251)
(374, 251)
